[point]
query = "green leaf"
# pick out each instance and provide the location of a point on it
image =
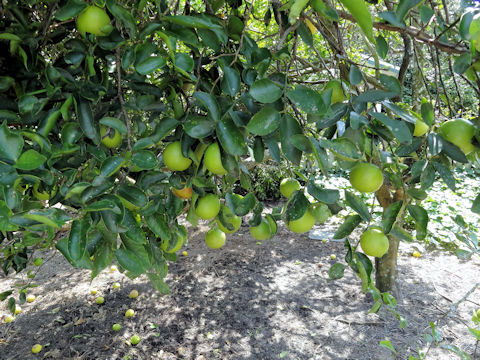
(104, 204)
(302, 143)
(357, 205)
(52, 217)
(77, 239)
(133, 195)
(198, 127)
(289, 126)
(327, 196)
(476, 205)
(397, 127)
(381, 46)
(209, 103)
(240, 206)
(265, 121)
(265, 91)
(86, 121)
(194, 22)
(475, 333)
(305, 34)
(374, 96)
(452, 151)
(6, 82)
(420, 216)
(230, 137)
(426, 13)
(184, 62)
(158, 283)
(362, 16)
(108, 168)
(30, 160)
(350, 223)
(387, 344)
(297, 205)
(336, 271)
(404, 7)
(446, 175)
(164, 128)
(230, 81)
(71, 9)
(307, 100)
(124, 16)
(144, 159)
(355, 75)
(129, 261)
(11, 144)
(401, 234)
(390, 216)
(407, 149)
(159, 226)
(5, 214)
(462, 63)
(427, 176)
(150, 64)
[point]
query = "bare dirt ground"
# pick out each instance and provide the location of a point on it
(245, 301)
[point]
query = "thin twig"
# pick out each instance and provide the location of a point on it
(120, 97)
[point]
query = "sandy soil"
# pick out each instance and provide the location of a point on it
(245, 301)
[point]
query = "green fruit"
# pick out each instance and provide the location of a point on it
(304, 224)
(31, 298)
(172, 246)
(231, 218)
(337, 91)
(320, 212)
(38, 261)
(129, 313)
(100, 300)
(458, 132)
(133, 294)
(215, 238)
(113, 139)
(116, 285)
(9, 319)
(36, 348)
(208, 207)
(366, 178)
(262, 231)
(93, 20)
(116, 327)
(135, 339)
(374, 242)
(420, 128)
(474, 31)
(213, 160)
(173, 157)
(288, 186)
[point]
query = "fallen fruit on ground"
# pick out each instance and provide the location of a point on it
(31, 298)
(116, 285)
(9, 319)
(288, 186)
(93, 291)
(129, 313)
(116, 327)
(208, 207)
(93, 20)
(213, 160)
(18, 310)
(100, 300)
(184, 253)
(333, 257)
(304, 224)
(215, 238)
(36, 348)
(366, 177)
(38, 261)
(174, 159)
(135, 339)
(374, 242)
(133, 294)
(416, 254)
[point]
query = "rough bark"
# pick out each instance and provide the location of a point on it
(386, 266)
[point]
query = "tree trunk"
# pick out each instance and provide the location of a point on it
(386, 266)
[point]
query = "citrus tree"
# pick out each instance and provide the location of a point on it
(120, 117)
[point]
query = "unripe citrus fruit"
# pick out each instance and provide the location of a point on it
(9, 319)
(416, 254)
(100, 300)
(320, 212)
(420, 128)
(112, 139)
(133, 294)
(458, 132)
(374, 242)
(116, 327)
(213, 160)
(215, 238)
(31, 298)
(173, 157)
(18, 310)
(337, 91)
(231, 218)
(333, 257)
(93, 20)
(129, 313)
(93, 291)
(288, 186)
(184, 253)
(261, 231)
(116, 285)
(38, 261)
(134, 340)
(173, 245)
(36, 348)
(208, 207)
(304, 224)
(366, 178)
